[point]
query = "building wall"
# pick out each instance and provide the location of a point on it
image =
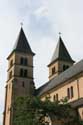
(8, 101)
(17, 85)
(56, 70)
(62, 63)
(19, 55)
(80, 82)
(61, 90)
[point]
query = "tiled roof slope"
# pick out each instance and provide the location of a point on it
(77, 103)
(61, 53)
(22, 44)
(64, 76)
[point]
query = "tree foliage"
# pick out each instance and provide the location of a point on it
(33, 111)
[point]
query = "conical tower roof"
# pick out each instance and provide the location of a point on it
(22, 44)
(61, 53)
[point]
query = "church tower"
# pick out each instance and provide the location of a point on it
(61, 60)
(20, 75)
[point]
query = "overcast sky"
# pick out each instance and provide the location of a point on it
(42, 20)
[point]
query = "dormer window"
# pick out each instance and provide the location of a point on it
(53, 70)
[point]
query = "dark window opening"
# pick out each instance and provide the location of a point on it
(65, 67)
(21, 61)
(21, 72)
(68, 93)
(72, 94)
(10, 75)
(25, 73)
(53, 70)
(23, 84)
(56, 97)
(25, 62)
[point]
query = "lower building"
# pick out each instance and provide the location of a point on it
(65, 77)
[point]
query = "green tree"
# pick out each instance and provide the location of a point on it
(33, 111)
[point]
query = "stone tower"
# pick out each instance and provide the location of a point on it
(20, 75)
(61, 60)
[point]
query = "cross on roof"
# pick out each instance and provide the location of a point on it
(59, 33)
(21, 24)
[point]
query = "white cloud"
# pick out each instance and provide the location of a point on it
(44, 50)
(40, 12)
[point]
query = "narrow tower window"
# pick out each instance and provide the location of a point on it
(21, 61)
(10, 75)
(21, 72)
(25, 61)
(11, 63)
(65, 67)
(53, 70)
(23, 84)
(25, 73)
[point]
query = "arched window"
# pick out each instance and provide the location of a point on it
(68, 93)
(72, 94)
(54, 98)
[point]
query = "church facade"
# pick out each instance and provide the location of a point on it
(65, 77)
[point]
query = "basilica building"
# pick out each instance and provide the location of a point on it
(65, 77)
